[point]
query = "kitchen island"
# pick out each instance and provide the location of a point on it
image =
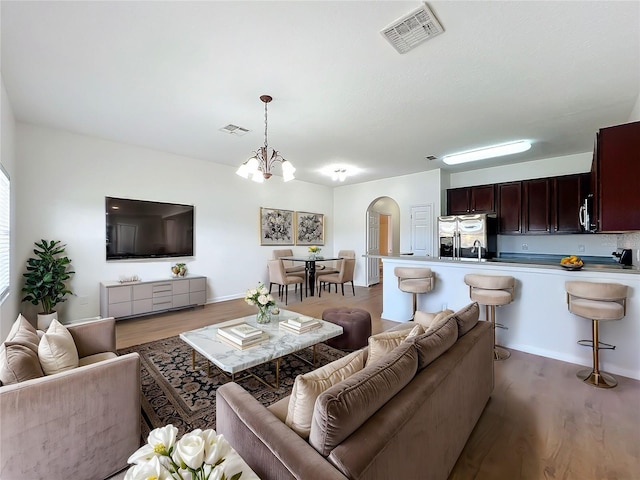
(538, 320)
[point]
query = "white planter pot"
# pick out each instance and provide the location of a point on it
(44, 320)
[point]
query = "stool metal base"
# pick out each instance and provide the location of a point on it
(500, 353)
(600, 379)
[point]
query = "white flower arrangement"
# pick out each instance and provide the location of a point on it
(198, 455)
(260, 297)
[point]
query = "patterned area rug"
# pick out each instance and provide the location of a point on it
(172, 392)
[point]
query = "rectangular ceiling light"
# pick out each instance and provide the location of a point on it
(487, 152)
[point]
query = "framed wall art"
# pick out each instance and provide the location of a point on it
(276, 227)
(309, 228)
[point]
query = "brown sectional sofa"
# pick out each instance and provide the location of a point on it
(395, 418)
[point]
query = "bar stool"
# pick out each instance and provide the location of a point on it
(415, 280)
(492, 291)
(597, 302)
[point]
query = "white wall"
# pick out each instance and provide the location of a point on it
(635, 112)
(63, 179)
(352, 201)
(9, 309)
(548, 167)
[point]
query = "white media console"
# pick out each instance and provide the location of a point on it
(122, 300)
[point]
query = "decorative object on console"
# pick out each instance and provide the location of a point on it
(129, 279)
(276, 226)
(259, 166)
(199, 455)
(179, 270)
(45, 279)
(309, 228)
(261, 298)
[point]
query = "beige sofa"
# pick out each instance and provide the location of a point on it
(396, 418)
(81, 423)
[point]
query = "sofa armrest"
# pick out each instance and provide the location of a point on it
(81, 423)
(94, 337)
(269, 447)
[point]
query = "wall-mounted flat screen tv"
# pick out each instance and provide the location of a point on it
(144, 229)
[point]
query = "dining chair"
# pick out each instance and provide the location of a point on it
(335, 266)
(345, 275)
(289, 266)
(279, 276)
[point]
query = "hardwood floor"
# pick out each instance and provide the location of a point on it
(540, 423)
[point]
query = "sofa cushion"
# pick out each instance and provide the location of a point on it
(433, 343)
(19, 353)
(467, 318)
(343, 408)
(307, 387)
(426, 319)
(383, 343)
(95, 358)
(57, 350)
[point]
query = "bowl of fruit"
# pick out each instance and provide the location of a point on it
(572, 262)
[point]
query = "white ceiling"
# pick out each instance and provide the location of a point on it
(169, 75)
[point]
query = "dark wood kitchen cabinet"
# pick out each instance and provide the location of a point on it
(569, 192)
(536, 206)
(615, 173)
(509, 207)
(551, 205)
(470, 200)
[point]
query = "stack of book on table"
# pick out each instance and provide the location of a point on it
(300, 324)
(242, 336)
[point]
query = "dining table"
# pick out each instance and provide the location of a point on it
(310, 268)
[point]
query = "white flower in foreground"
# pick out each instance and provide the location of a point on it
(263, 290)
(147, 471)
(142, 455)
(163, 439)
(263, 300)
(190, 449)
(216, 447)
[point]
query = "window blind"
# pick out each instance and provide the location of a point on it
(5, 232)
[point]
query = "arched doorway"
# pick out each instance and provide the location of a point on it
(383, 234)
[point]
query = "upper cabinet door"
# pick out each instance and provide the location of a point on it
(458, 200)
(537, 206)
(509, 207)
(618, 171)
(569, 192)
(483, 199)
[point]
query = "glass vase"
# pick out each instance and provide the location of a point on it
(264, 315)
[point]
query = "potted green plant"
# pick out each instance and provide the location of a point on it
(45, 279)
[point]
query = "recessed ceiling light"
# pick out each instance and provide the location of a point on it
(487, 152)
(338, 172)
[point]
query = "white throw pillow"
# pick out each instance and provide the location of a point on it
(307, 387)
(57, 350)
(385, 342)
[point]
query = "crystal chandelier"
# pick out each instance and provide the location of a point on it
(259, 166)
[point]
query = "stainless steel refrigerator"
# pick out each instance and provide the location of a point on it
(467, 237)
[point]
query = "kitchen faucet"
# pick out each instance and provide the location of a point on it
(477, 245)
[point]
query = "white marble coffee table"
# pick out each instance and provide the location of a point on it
(232, 361)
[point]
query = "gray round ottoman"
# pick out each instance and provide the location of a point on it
(356, 326)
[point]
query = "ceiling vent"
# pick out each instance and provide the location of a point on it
(431, 158)
(412, 29)
(234, 130)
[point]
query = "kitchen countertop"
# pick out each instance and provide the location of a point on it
(529, 260)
